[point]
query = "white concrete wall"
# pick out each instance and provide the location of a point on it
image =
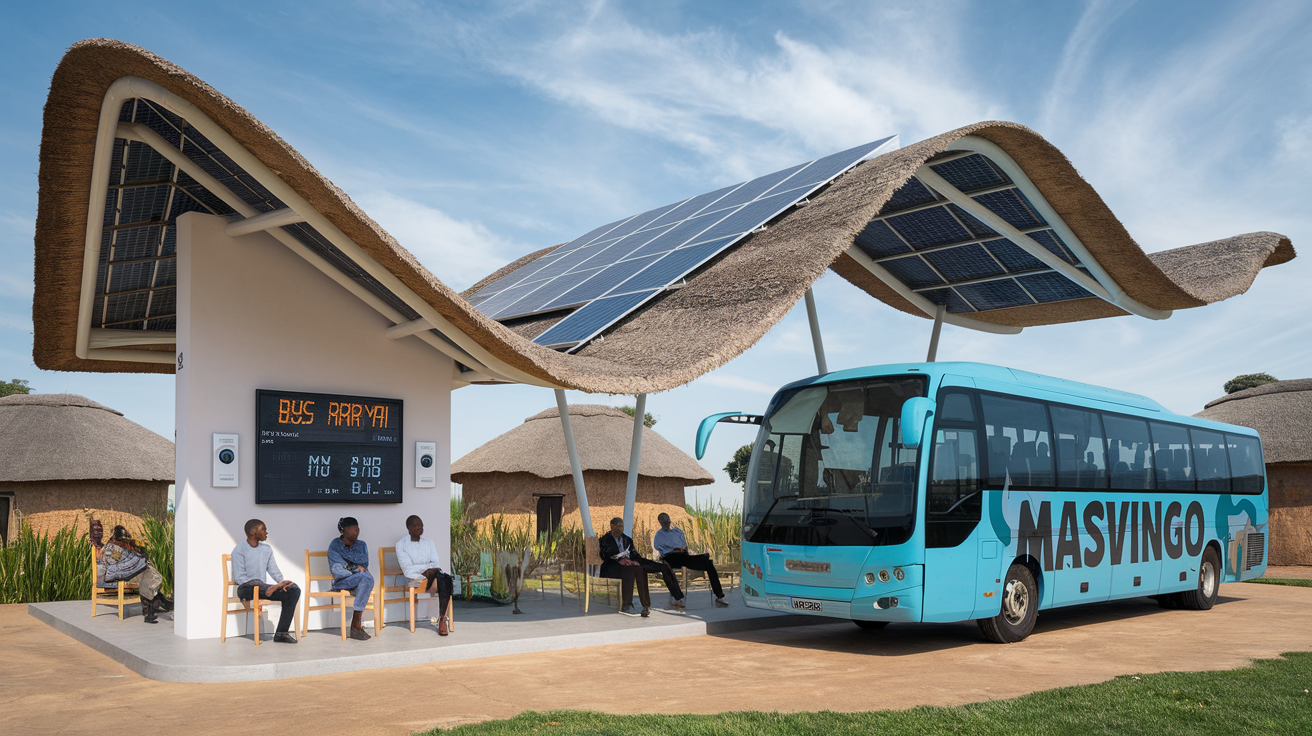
(252, 314)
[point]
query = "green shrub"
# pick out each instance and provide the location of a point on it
(1249, 380)
(35, 569)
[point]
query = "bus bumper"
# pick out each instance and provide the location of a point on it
(902, 604)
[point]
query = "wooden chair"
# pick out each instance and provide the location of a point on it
(592, 571)
(255, 606)
(343, 597)
(411, 592)
(123, 593)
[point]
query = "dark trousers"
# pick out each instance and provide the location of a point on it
(697, 562)
(288, 597)
(667, 574)
(445, 588)
(627, 575)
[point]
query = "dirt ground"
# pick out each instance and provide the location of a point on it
(50, 684)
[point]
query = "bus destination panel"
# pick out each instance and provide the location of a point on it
(327, 448)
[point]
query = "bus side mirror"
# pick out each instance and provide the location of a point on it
(914, 413)
(708, 424)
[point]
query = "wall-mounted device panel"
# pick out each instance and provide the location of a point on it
(226, 470)
(327, 448)
(425, 464)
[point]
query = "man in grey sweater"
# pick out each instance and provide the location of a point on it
(252, 559)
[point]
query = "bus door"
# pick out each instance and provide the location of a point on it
(952, 504)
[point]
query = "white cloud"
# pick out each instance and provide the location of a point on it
(456, 251)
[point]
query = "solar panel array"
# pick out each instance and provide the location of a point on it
(136, 287)
(611, 271)
(949, 257)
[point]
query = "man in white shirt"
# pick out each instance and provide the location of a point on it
(672, 546)
(252, 560)
(419, 562)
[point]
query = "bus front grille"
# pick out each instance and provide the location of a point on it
(1254, 550)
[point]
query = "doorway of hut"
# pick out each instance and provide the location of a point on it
(549, 512)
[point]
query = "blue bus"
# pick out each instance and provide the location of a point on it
(956, 491)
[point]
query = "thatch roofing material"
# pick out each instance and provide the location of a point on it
(675, 338)
(1281, 412)
(69, 437)
(603, 435)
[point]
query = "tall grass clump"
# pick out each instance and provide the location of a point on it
(35, 569)
(720, 528)
(157, 538)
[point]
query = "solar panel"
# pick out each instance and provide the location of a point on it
(617, 267)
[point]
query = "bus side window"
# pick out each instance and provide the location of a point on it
(954, 503)
(1245, 455)
(1130, 455)
(1171, 455)
(1081, 450)
(1020, 426)
(1211, 468)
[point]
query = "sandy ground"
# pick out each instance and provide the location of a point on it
(50, 684)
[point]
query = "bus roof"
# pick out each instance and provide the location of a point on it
(1020, 382)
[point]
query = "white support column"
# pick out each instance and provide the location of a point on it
(820, 365)
(580, 492)
(933, 337)
(260, 223)
(635, 457)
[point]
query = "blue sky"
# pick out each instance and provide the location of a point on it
(477, 134)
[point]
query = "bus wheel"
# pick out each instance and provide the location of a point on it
(1020, 608)
(870, 625)
(1209, 583)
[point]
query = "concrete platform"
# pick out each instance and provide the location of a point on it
(482, 630)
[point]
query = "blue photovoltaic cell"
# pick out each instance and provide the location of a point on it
(748, 217)
(956, 304)
(637, 222)
(911, 194)
(995, 294)
(548, 291)
(964, 263)
(1013, 257)
(976, 228)
(970, 173)
(1053, 242)
(1053, 287)
(680, 234)
(913, 272)
(602, 282)
(756, 187)
(824, 169)
(879, 240)
(673, 265)
(925, 228)
(499, 302)
(1012, 206)
(592, 318)
(691, 207)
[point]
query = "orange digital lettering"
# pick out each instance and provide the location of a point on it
(284, 408)
(305, 406)
(356, 410)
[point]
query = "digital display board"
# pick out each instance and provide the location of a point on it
(327, 448)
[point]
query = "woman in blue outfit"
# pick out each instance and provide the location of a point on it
(348, 561)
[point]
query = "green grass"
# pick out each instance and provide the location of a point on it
(1296, 582)
(1271, 696)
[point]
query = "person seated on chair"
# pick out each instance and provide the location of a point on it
(348, 561)
(672, 545)
(122, 559)
(417, 556)
(251, 561)
(620, 559)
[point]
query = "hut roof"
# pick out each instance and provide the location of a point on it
(70, 437)
(603, 435)
(1281, 412)
(720, 312)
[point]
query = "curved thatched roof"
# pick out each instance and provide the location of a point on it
(1281, 412)
(69, 437)
(603, 434)
(720, 313)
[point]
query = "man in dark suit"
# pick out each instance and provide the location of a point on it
(621, 560)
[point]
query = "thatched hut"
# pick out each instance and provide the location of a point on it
(1281, 412)
(525, 473)
(66, 458)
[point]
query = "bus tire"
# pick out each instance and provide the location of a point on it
(1203, 597)
(1020, 608)
(870, 625)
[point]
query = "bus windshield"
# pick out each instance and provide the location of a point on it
(829, 467)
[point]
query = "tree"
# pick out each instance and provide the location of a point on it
(16, 386)
(737, 467)
(648, 420)
(1250, 380)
